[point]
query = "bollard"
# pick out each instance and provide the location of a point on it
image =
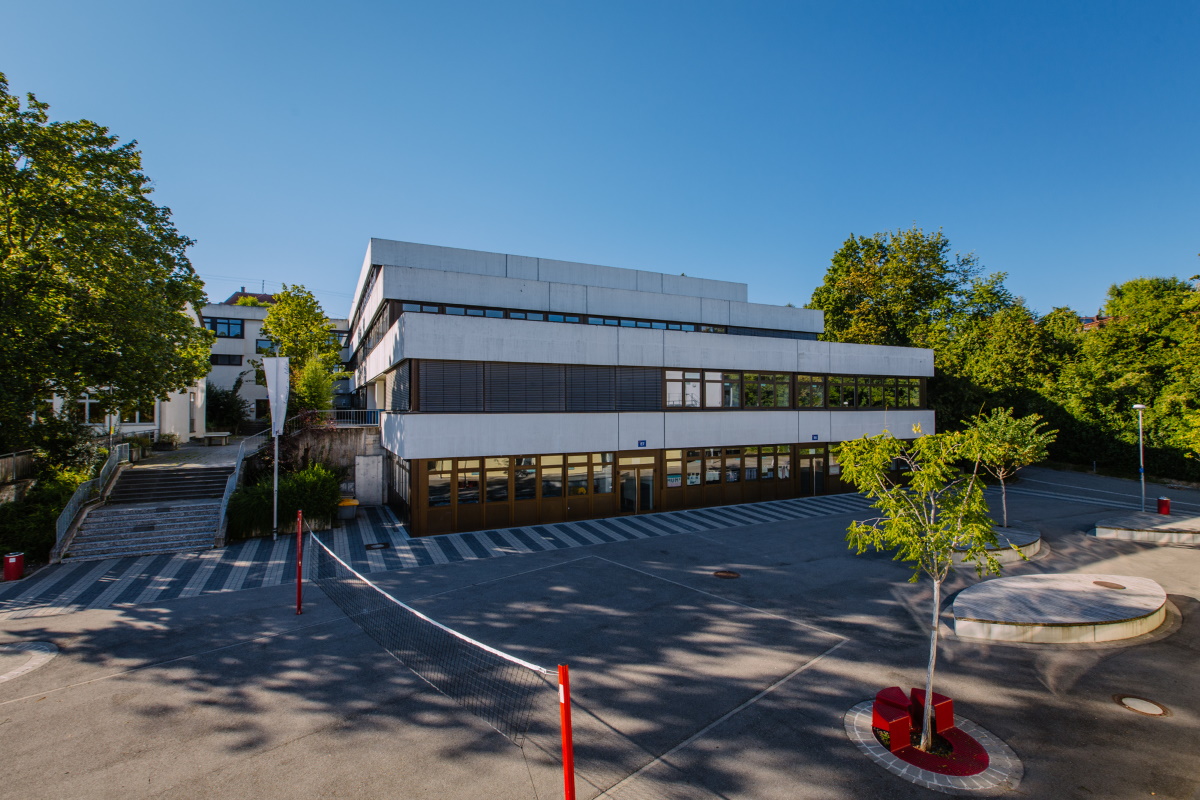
(14, 566)
(1164, 505)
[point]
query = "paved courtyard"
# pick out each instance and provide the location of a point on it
(686, 685)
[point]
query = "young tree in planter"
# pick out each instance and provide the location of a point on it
(1004, 444)
(928, 510)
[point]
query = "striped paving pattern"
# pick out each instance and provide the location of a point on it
(255, 563)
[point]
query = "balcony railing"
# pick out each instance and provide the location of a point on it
(333, 418)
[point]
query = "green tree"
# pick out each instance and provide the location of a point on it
(927, 512)
(250, 300)
(312, 386)
(298, 327)
(95, 286)
(1147, 351)
(1003, 444)
(902, 288)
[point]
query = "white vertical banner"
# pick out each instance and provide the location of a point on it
(278, 385)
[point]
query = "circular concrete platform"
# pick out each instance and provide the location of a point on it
(18, 658)
(1027, 541)
(1060, 609)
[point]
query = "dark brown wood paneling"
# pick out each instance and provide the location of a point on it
(451, 386)
(591, 388)
(639, 389)
(517, 388)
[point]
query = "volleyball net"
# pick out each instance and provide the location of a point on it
(497, 687)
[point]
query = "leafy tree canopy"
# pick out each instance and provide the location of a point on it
(1003, 444)
(298, 327)
(903, 288)
(95, 286)
(927, 512)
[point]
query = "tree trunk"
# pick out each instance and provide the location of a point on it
(1004, 500)
(927, 715)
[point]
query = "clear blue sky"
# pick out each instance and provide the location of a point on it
(1059, 141)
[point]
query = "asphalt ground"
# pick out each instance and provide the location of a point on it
(696, 687)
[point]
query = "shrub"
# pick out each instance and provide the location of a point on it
(315, 490)
(28, 525)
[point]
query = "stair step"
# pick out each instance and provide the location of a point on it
(138, 551)
(199, 538)
(131, 512)
(93, 531)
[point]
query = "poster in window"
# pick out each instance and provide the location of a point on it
(674, 480)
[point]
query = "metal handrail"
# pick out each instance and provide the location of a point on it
(16, 466)
(117, 455)
(249, 446)
(333, 418)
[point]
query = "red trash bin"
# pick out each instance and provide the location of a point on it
(14, 566)
(1164, 505)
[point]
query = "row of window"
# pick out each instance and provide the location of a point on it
(394, 308)
(228, 328)
(225, 360)
(470, 481)
(499, 387)
(93, 409)
(709, 389)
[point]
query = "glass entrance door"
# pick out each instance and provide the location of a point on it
(637, 490)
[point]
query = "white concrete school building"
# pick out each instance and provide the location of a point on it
(519, 390)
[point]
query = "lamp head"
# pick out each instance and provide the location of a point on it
(1139, 406)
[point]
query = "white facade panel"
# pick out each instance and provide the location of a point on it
(780, 318)
(714, 312)
(568, 297)
(812, 357)
(413, 436)
(847, 425)
(867, 359)
(704, 287)
(813, 427)
(649, 281)
(386, 354)
(403, 283)
(636, 427)
(646, 305)
(720, 351)
(521, 267)
(729, 428)
(638, 347)
(427, 256)
(586, 274)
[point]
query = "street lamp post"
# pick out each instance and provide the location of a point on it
(1141, 454)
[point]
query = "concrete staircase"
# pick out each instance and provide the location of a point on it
(153, 510)
(151, 484)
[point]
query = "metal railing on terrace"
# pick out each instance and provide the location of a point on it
(333, 418)
(16, 466)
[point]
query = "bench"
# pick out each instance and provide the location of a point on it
(943, 710)
(221, 437)
(891, 713)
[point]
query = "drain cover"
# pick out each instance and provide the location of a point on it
(1108, 584)
(1141, 705)
(726, 573)
(379, 546)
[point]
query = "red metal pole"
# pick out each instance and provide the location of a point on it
(299, 561)
(568, 747)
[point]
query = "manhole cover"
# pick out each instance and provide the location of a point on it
(726, 573)
(1108, 584)
(379, 546)
(1141, 705)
